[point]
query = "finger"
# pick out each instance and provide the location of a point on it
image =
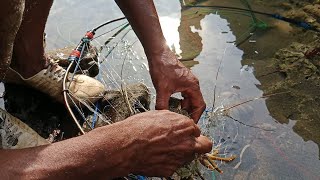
(197, 132)
(183, 158)
(203, 145)
(185, 146)
(196, 103)
(183, 152)
(189, 128)
(186, 155)
(162, 101)
(197, 112)
(186, 133)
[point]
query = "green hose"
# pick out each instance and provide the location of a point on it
(213, 175)
(255, 24)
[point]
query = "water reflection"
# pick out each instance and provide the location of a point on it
(190, 41)
(170, 29)
(170, 21)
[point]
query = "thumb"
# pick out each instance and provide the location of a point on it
(203, 145)
(162, 101)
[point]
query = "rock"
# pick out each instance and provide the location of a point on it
(175, 106)
(286, 5)
(311, 20)
(309, 13)
(118, 105)
(314, 10)
(88, 62)
(292, 60)
(297, 14)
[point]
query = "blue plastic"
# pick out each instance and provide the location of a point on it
(141, 178)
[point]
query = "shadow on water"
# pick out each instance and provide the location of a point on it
(205, 41)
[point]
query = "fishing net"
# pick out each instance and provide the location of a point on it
(115, 58)
(117, 63)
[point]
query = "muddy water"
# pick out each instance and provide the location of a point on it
(205, 39)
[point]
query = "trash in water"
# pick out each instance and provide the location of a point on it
(235, 87)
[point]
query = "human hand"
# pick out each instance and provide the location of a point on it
(170, 76)
(163, 142)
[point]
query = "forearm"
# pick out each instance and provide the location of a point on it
(144, 20)
(98, 154)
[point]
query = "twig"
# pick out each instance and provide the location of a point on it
(217, 75)
(242, 123)
(245, 102)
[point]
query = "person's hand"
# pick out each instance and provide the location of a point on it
(170, 76)
(163, 142)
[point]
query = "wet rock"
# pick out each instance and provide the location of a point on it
(313, 10)
(286, 5)
(118, 105)
(88, 63)
(297, 14)
(175, 106)
(293, 59)
(309, 13)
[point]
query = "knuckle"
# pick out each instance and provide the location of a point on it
(207, 146)
(210, 144)
(196, 80)
(187, 121)
(191, 145)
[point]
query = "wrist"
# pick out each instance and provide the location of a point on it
(120, 151)
(162, 60)
(156, 50)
